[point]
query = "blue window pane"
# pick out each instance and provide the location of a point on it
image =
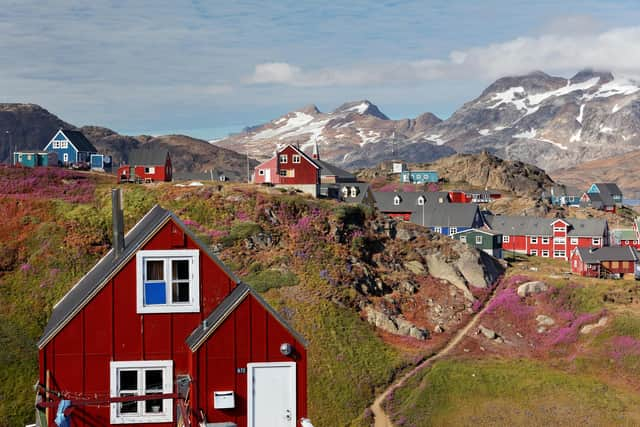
(155, 293)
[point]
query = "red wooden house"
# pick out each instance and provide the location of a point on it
(147, 165)
(548, 237)
(610, 261)
(159, 332)
(292, 168)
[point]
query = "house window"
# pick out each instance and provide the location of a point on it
(168, 281)
(283, 158)
(574, 240)
(64, 144)
(141, 378)
(65, 157)
(558, 254)
(150, 169)
(261, 172)
(595, 241)
(559, 240)
(396, 200)
(505, 239)
(283, 172)
(560, 229)
(56, 144)
(437, 229)
(345, 191)
(295, 158)
(545, 253)
(463, 239)
(534, 239)
(534, 252)
(478, 240)
(614, 264)
(420, 201)
(545, 240)
(453, 230)
(354, 191)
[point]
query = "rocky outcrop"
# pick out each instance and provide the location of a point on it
(394, 325)
(587, 329)
(531, 288)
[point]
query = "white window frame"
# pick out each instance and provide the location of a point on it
(559, 254)
(544, 240)
(505, 238)
(420, 201)
(595, 241)
(397, 200)
(64, 144)
(56, 144)
(150, 169)
(453, 230)
(479, 240)
(284, 158)
(295, 158)
(437, 229)
(534, 252)
(574, 240)
(463, 239)
(260, 172)
(166, 414)
(65, 157)
(559, 241)
(193, 306)
(354, 192)
(545, 253)
(533, 239)
(560, 229)
(283, 172)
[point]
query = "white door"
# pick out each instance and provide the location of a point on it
(271, 391)
(267, 175)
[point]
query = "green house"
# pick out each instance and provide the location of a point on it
(485, 240)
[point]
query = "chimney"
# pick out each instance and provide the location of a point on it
(316, 153)
(118, 222)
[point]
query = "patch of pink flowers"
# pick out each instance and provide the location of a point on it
(624, 346)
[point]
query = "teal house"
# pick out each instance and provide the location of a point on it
(418, 177)
(485, 240)
(31, 159)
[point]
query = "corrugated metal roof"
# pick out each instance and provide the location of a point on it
(534, 226)
(607, 253)
(446, 215)
(225, 308)
(147, 157)
(408, 200)
(89, 285)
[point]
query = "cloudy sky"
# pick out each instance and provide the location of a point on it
(207, 67)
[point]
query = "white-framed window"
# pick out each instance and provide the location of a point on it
(559, 240)
(505, 239)
(345, 191)
(463, 239)
(283, 158)
(437, 229)
(558, 254)
(283, 172)
(141, 378)
(56, 144)
(453, 230)
(150, 169)
(559, 229)
(261, 172)
(64, 144)
(595, 241)
(545, 240)
(396, 200)
(574, 240)
(534, 252)
(168, 281)
(478, 240)
(533, 239)
(354, 191)
(295, 158)
(420, 201)
(545, 253)
(65, 157)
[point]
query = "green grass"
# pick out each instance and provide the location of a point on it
(264, 280)
(515, 392)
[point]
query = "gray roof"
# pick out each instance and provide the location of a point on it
(608, 187)
(597, 200)
(479, 230)
(225, 308)
(605, 196)
(362, 190)
(534, 226)
(607, 253)
(446, 215)
(408, 200)
(147, 157)
(91, 283)
(327, 169)
(79, 141)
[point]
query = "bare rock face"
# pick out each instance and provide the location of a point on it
(395, 325)
(530, 288)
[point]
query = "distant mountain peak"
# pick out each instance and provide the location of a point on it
(311, 109)
(588, 73)
(364, 107)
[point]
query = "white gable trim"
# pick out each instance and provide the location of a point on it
(307, 158)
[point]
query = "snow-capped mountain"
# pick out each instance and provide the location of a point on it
(552, 122)
(356, 134)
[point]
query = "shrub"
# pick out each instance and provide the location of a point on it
(264, 280)
(241, 231)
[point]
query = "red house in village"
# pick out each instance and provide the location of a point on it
(159, 332)
(147, 165)
(292, 168)
(548, 237)
(610, 261)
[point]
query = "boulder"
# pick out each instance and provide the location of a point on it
(590, 327)
(395, 325)
(489, 333)
(531, 288)
(544, 320)
(478, 268)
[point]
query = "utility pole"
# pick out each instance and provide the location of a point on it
(13, 160)
(248, 176)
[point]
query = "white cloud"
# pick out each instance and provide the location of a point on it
(553, 52)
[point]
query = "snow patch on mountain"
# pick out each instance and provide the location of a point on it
(436, 138)
(615, 109)
(526, 134)
(360, 108)
(581, 115)
(576, 136)
(484, 132)
(618, 86)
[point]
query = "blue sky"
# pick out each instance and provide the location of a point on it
(209, 67)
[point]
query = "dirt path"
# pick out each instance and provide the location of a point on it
(380, 417)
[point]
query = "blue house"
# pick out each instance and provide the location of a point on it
(72, 147)
(418, 177)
